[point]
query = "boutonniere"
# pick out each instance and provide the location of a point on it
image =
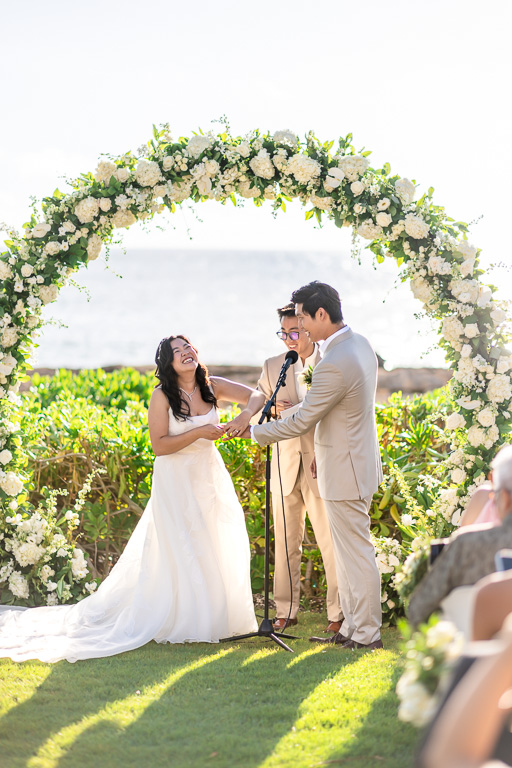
(306, 377)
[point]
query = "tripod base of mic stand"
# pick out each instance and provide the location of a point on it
(265, 629)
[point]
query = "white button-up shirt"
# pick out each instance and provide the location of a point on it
(325, 344)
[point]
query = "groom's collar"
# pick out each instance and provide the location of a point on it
(325, 344)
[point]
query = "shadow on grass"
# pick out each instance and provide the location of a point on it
(197, 705)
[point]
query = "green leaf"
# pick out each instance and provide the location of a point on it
(387, 169)
(310, 214)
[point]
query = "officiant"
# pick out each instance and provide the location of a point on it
(294, 489)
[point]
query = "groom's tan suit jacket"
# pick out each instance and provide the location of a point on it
(341, 402)
(297, 447)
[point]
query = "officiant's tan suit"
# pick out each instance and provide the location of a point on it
(341, 403)
(300, 493)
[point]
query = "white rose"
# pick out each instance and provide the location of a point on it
(458, 476)
(52, 248)
(353, 166)
(466, 268)
(7, 365)
(357, 188)
(204, 185)
(303, 168)
(122, 175)
(405, 190)
(455, 421)
(168, 162)
(466, 350)
(198, 144)
(105, 171)
(416, 227)
(40, 229)
(499, 316)
(105, 204)
(123, 218)
(9, 337)
(438, 266)
(243, 149)
(421, 289)
(262, 165)
(383, 204)
(27, 270)
(471, 330)
(5, 456)
(498, 389)
(5, 271)
(407, 519)
(48, 293)
(212, 167)
(11, 484)
(285, 137)
(334, 177)
(484, 296)
(504, 364)
(486, 418)
(465, 249)
(358, 208)
(476, 436)
(94, 247)
(466, 291)
(369, 230)
(147, 173)
(383, 219)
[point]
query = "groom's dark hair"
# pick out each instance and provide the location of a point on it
(315, 295)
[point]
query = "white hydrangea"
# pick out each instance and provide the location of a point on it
(476, 436)
(262, 165)
(11, 484)
(369, 230)
(465, 291)
(79, 567)
(27, 553)
(48, 293)
(104, 171)
(123, 218)
(5, 271)
(285, 137)
(303, 168)
(353, 166)
(18, 585)
(198, 144)
(416, 227)
(87, 209)
(5, 456)
(181, 190)
(147, 173)
(245, 189)
(94, 247)
(324, 203)
(405, 190)
(421, 289)
(9, 337)
(498, 389)
(504, 364)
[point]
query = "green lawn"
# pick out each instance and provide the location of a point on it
(244, 704)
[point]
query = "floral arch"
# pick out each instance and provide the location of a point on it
(330, 180)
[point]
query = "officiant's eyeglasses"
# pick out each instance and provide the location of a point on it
(293, 335)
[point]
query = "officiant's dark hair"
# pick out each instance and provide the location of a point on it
(315, 295)
(288, 311)
(168, 379)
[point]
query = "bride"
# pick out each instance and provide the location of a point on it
(184, 574)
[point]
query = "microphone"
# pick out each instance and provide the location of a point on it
(291, 357)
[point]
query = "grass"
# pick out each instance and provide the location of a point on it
(246, 704)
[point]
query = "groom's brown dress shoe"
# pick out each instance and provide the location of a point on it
(336, 639)
(353, 645)
(283, 623)
(333, 626)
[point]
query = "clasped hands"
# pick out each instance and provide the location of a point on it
(237, 427)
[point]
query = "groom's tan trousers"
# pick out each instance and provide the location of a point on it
(296, 503)
(356, 569)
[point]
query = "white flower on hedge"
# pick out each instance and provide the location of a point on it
(303, 168)
(9, 337)
(407, 519)
(51, 586)
(498, 389)
(383, 204)
(147, 173)
(421, 289)
(11, 484)
(455, 421)
(79, 567)
(476, 436)
(486, 418)
(27, 553)
(353, 166)
(262, 165)
(94, 247)
(458, 475)
(40, 229)
(471, 330)
(405, 190)
(5, 456)
(383, 219)
(357, 188)
(87, 209)
(52, 598)
(18, 585)
(48, 293)
(90, 586)
(104, 171)
(334, 177)
(123, 218)
(416, 227)
(369, 230)
(466, 291)
(198, 144)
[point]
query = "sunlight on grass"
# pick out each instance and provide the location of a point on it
(301, 656)
(120, 714)
(23, 679)
(263, 653)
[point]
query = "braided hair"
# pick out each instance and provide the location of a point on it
(168, 379)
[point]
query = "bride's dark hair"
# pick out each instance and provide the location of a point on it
(168, 379)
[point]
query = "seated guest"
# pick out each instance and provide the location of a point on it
(493, 603)
(480, 508)
(470, 553)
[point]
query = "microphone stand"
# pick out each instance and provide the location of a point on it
(266, 628)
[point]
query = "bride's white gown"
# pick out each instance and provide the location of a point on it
(183, 577)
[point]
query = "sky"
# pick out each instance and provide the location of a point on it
(424, 85)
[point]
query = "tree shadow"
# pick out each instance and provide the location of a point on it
(227, 712)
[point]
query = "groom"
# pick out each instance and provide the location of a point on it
(341, 402)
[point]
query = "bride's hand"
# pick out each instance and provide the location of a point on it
(237, 427)
(211, 432)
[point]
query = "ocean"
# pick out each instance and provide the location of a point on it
(225, 301)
